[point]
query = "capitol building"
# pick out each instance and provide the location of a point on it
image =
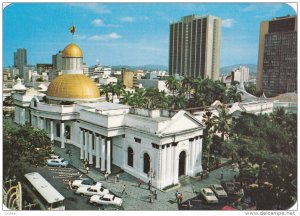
(108, 134)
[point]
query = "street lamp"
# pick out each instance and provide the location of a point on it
(151, 175)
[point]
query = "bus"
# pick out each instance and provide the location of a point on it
(44, 194)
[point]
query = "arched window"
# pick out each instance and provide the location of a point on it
(68, 132)
(146, 163)
(130, 157)
(34, 103)
(58, 130)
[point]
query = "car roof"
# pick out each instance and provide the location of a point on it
(207, 189)
(216, 185)
(108, 196)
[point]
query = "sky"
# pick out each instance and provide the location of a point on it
(128, 33)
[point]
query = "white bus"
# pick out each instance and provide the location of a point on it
(44, 194)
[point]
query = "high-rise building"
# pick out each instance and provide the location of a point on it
(194, 49)
(20, 60)
(277, 55)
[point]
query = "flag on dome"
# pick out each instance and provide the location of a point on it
(72, 29)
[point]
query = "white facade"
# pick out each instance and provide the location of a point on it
(136, 140)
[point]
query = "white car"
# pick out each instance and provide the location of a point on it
(107, 199)
(209, 195)
(84, 183)
(93, 190)
(52, 156)
(218, 190)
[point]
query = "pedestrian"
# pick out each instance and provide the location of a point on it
(180, 199)
(193, 188)
(85, 163)
(139, 182)
(70, 184)
(151, 197)
(149, 185)
(176, 196)
(105, 176)
(87, 170)
(221, 176)
(124, 190)
(155, 194)
(117, 177)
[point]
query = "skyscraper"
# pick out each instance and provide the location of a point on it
(20, 60)
(194, 49)
(277, 56)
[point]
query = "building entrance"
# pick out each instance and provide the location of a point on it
(181, 165)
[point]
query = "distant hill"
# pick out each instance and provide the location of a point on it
(227, 69)
(150, 67)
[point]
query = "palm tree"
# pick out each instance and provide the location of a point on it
(187, 85)
(208, 133)
(234, 94)
(106, 89)
(126, 97)
(222, 122)
(172, 84)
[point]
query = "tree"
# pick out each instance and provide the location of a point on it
(172, 84)
(251, 88)
(234, 95)
(8, 101)
(222, 122)
(22, 146)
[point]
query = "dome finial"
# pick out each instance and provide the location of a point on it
(72, 30)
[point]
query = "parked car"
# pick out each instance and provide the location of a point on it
(218, 190)
(52, 156)
(93, 190)
(209, 195)
(84, 183)
(60, 162)
(107, 199)
(232, 188)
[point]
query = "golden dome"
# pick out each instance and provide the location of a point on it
(73, 86)
(72, 50)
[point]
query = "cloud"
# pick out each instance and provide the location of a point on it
(97, 22)
(111, 36)
(94, 7)
(127, 19)
(79, 37)
(100, 23)
(227, 23)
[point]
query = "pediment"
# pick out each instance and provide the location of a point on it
(182, 121)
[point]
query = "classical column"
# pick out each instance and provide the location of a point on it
(124, 150)
(91, 147)
(159, 167)
(41, 123)
(86, 134)
(191, 153)
(22, 116)
(108, 158)
(175, 162)
(16, 114)
(169, 162)
(164, 164)
(51, 130)
(62, 134)
(102, 153)
(97, 151)
(81, 144)
(32, 120)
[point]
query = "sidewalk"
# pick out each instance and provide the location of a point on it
(138, 198)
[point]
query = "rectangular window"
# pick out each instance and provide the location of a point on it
(138, 140)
